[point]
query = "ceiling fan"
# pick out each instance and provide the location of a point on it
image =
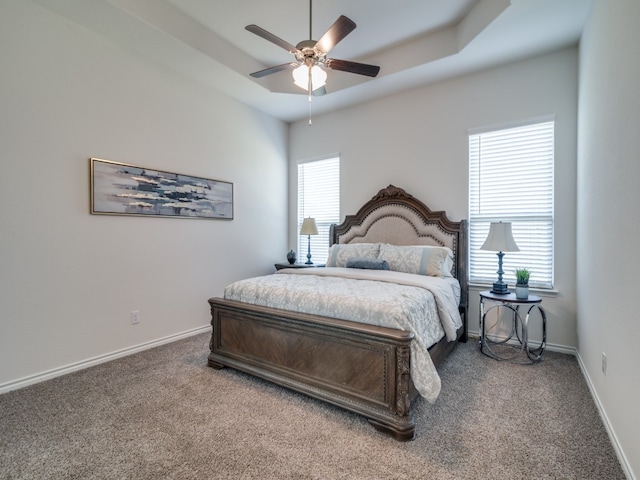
(311, 56)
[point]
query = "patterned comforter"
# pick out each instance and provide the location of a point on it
(424, 305)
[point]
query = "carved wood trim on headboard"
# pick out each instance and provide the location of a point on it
(388, 196)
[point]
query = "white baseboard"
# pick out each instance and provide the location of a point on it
(56, 372)
(605, 420)
(552, 347)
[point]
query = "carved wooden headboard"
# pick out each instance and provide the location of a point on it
(396, 217)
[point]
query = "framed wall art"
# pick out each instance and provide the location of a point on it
(122, 189)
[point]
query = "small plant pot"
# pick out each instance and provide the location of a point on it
(522, 291)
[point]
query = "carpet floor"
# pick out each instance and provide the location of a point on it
(163, 413)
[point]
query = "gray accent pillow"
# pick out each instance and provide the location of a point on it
(368, 263)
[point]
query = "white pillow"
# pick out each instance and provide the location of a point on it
(339, 253)
(420, 260)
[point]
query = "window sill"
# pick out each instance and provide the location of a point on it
(543, 292)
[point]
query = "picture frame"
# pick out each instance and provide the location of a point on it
(123, 189)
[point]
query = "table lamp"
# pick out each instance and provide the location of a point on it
(500, 239)
(309, 228)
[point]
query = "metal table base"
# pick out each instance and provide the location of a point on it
(506, 348)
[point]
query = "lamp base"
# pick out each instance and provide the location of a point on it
(308, 262)
(500, 288)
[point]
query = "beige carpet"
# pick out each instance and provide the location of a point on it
(163, 414)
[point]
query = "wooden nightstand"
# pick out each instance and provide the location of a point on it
(519, 327)
(280, 266)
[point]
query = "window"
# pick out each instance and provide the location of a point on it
(319, 198)
(511, 179)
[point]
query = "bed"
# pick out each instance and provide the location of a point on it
(369, 369)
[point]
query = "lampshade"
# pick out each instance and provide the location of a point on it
(500, 238)
(309, 227)
(301, 77)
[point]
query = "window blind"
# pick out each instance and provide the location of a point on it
(511, 180)
(319, 198)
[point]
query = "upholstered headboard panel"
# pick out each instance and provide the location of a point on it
(397, 224)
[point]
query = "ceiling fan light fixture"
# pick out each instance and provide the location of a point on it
(301, 77)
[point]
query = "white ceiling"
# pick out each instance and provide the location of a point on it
(415, 42)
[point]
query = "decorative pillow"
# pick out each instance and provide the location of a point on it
(368, 263)
(421, 260)
(340, 253)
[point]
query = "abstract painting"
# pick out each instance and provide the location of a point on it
(121, 189)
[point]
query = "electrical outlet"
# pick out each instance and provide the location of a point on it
(135, 317)
(604, 363)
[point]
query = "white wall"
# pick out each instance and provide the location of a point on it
(608, 223)
(69, 280)
(418, 140)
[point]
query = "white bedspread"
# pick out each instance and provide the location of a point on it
(426, 306)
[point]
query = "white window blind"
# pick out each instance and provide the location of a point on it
(511, 180)
(319, 198)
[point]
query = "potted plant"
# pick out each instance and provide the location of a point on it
(522, 283)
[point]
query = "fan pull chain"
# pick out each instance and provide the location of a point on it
(310, 86)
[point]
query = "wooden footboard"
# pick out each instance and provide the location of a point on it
(362, 368)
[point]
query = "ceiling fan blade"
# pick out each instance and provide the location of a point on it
(340, 29)
(318, 92)
(261, 32)
(270, 70)
(353, 67)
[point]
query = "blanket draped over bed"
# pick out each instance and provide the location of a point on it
(426, 306)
